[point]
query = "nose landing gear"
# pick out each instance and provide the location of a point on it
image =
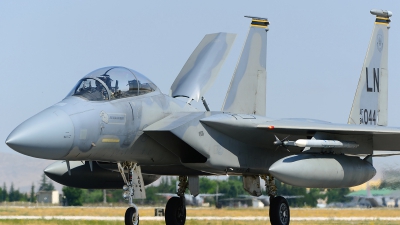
(134, 189)
(279, 212)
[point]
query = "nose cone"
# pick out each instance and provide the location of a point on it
(48, 135)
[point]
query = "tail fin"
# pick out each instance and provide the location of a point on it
(247, 91)
(199, 72)
(370, 105)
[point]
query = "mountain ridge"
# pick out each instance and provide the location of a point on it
(22, 171)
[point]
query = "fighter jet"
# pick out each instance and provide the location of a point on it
(374, 198)
(115, 128)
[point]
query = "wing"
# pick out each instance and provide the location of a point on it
(254, 130)
(383, 138)
(170, 133)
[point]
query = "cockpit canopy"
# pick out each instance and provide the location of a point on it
(111, 83)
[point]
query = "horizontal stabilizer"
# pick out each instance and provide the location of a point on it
(203, 66)
(385, 153)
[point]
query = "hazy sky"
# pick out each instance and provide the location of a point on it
(314, 56)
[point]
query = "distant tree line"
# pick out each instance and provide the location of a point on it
(231, 188)
(391, 178)
(14, 195)
(311, 195)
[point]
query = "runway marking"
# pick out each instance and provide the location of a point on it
(160, 218)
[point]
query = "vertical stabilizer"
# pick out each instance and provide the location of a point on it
(370, 105)
(247, 91)
(202, 68)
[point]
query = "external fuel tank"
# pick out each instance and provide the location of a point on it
(322, 170)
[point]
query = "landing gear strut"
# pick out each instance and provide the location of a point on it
(279, 212)
(134, 181)
(175, 210)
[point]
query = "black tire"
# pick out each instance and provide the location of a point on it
(130, 216)
(279, 212)
(175, 211)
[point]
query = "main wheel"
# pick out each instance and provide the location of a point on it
(279, 213)
(175, 211)
(131, 216)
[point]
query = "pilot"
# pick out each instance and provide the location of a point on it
(107, 80)
(97, 93)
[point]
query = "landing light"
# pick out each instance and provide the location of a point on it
(126, 195)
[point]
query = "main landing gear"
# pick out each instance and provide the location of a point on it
(134, 189)
(279, 213)
(175, 210)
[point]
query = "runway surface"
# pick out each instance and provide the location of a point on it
(159, 218)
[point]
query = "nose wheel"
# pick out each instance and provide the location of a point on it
(131, 216)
